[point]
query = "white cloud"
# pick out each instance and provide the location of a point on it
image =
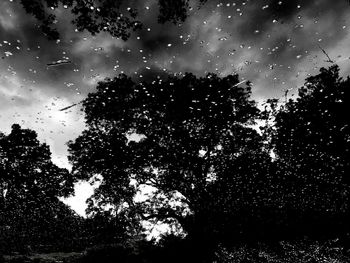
(7, 17)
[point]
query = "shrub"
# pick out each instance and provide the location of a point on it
(109, 254)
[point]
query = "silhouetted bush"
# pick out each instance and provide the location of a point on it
(109, 253)
(19, 259)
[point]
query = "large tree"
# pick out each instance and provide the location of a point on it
(117, 17)
(311, 143)
(30, 185)
(188, 137)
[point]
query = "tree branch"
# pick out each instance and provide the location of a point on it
(329, 59)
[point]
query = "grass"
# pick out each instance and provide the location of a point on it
(57, 257)
(298, 251)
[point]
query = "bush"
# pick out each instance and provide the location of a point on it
(110, 253)
(19, 259)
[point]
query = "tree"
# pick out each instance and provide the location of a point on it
(30, 185)
(187, 137)
(116, 17)
(311, 143)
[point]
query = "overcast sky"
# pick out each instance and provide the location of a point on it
(274, 44)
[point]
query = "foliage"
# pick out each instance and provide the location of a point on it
(174, 11)
(27, 170)
(178, 250)
(110, 252)
(311, 141)
(316, 122)
(309, 137)
(300, 250)
(189, 138)
(104, 228)
(115, 17)
(30, 185)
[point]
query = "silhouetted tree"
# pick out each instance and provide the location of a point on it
(117, 17)
(104, 227)
(189, 138)
(30, 185)
(311, 142)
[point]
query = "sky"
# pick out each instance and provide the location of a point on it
(274, 44)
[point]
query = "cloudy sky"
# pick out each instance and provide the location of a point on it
(274, 44)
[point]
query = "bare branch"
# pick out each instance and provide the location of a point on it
(329, 59)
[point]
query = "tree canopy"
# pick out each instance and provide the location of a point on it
(116, 17)
(192, 140)
(315, 124)
(30, 185)
(27, 169)
(189, 138)
(311, 143)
